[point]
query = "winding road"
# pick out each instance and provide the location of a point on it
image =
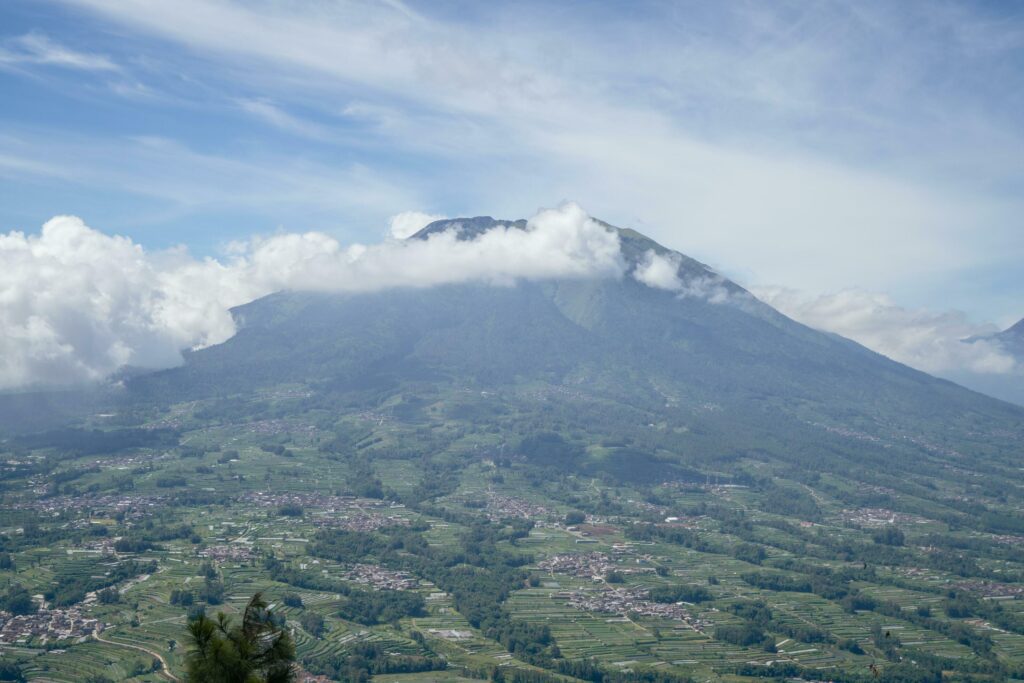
(164, 669)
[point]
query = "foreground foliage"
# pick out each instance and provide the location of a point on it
(257, 650)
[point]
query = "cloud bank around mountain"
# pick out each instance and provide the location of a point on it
(77, 304)
(935, 342)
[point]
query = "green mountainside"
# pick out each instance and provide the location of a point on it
(717, 378)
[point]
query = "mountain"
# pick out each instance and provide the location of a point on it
(1008, 386)
(1013, 339)
(701, 380)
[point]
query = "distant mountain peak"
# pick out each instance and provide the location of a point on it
(466, 228)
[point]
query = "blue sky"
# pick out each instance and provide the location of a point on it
(816, 147)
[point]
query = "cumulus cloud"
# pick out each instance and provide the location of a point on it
(408, 223)
(935, 342)
(77, 304)
(563, 242)
(662, 271)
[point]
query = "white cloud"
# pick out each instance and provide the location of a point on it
(408, 223)
(563, 242)
(34, 48)
(927, 340)
(662, 271)
(76, 304)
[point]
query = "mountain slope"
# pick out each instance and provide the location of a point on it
(1008, 386)
(715, 378)
(1013, 339)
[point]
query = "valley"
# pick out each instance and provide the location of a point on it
(815, 571)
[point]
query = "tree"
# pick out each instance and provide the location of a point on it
(257, 650)
(10, 671)
(313, 623)
(574, 517)
(180, 596)
(212, 591)
(889, 536)
(17, 600)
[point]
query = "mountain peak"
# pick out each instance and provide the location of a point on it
(635, 245)
(467, 228)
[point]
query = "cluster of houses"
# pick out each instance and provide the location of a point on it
(380, 578)
(277, 427)
(46, 625)
(991, 589)
(1007, 539)
(851, 433)
(629, 602)
(503, 507)
(597, 565)
(237, 552)
(879, 517)
(339, 512)
(320, 502)
(588, 565)
(360, 521)
(132, 506)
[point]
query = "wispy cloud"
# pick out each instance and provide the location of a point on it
(38, 49)
(166, 170)
(270, 113)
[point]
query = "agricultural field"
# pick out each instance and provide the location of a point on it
(443, 550)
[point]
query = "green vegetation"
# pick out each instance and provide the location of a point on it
(255, 649)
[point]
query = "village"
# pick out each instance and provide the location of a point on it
(125, 506)
(879, 517)
(236, 552)
(597, 565)
(47, 625)
(629, 602)
(379, 578)
(504, 507)
(586, 565)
